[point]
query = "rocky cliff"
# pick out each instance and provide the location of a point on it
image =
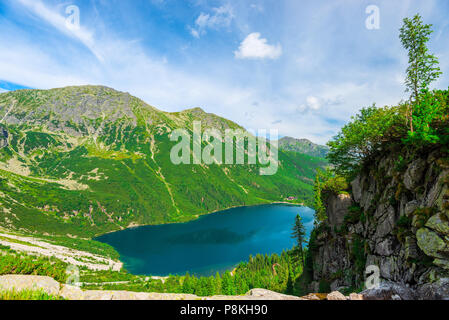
(3, 137)
(394, 220)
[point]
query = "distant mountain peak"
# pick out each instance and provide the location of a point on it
(195, 110)
(287, 138)
(304, 146)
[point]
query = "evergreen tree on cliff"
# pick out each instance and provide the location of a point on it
(299, 233)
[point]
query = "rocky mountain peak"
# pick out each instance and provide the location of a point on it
(304, 146)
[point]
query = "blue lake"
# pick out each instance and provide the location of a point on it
(214, 242)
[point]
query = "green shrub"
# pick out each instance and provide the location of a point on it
(421, 216)
(430, 109)
(358, 255)
(364, 136)
(403, 228)
(324, 286)
(27, 295)
(326, 182)
(400, 165)
(354, 214)
(12, 262)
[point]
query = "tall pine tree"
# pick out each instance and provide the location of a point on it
(299, 233)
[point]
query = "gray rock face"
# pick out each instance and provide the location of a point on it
(385, 227)
(414, 173)
(357, 189)
(405, 225)
(411, 248)
(3, 137)
(436, 191)
(337, 208)
(410, 207)
(386, 247)
(389, 267)
(77, 105)
(435, 291)
(327, 264)
(389, 291)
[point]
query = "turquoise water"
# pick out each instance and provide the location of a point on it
(215, 242)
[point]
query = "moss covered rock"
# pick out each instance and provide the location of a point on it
(431, 243)
(437, 224)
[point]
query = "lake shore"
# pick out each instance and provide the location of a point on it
(205, 246)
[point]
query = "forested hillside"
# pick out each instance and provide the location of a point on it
(88, 160)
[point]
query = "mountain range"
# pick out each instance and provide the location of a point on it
(88, 160)
(303, 146)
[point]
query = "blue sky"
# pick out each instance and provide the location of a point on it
(303, 67)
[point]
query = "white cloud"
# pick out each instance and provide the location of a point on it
(255, 47)
(195, 33)
(313, 103)
(59, 22)
(126, 67)
(3, 90)
(307, 90)
(219, 18)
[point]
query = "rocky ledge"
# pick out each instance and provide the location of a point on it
(50, 286)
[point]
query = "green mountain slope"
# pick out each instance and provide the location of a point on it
(88, 160)
(303, 146)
